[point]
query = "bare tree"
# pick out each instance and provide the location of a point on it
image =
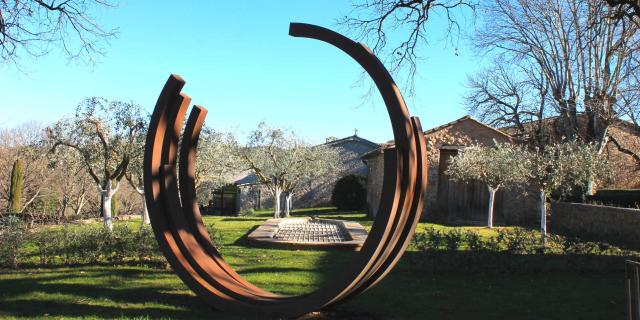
(34, 27)
(24, 142)
(70, 183)
(105, 135)
(284, 163)
(582, 49)
(507, 97)
(398, 29)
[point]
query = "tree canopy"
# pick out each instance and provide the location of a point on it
(34, 27)
(284, 162)
(106, 134)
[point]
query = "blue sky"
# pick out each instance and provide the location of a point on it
(239, 63)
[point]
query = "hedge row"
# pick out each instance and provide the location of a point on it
(617, 197)
(73, 245)
(514, 250)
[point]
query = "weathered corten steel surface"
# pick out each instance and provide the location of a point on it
(177, 223)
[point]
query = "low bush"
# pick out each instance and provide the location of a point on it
(453, 240)
(73, 245)
(474, 241)
(512, 251)
(616, 197)
(12, 234)
(431, 239)
(519, 241)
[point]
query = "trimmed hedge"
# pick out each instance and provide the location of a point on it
(629, 198)
(79, 244)
(350, 193)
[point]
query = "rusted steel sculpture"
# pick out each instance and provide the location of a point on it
(177, 223)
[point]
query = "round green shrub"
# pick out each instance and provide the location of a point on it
(350, 193)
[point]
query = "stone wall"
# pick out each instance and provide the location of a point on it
(594, 222)
(375, 175)
(626, 172)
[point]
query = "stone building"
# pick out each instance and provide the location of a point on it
(452, 201)
(252, 195)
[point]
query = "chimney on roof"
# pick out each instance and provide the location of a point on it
(330, 139)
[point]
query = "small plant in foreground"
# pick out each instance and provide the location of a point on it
(453, 239)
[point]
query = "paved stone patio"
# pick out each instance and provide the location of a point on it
(312, 231)
(308, 232)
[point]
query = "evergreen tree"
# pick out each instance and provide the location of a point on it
(15, 191)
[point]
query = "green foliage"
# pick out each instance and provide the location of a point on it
(564, 167)
(519, 241)
(617, 198)
(247, 213)
(431, 239)
(474, 241)
(47, 245)
(495, 166)
(215, 235)
(512, 241)
(76, 245)
(12, 233)
(15, 190)
(453, 240)
(350, 193)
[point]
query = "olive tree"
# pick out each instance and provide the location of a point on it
(562, 168)
(496, 166)
(285, 163)
(216, 164)
(134, 173)
(105, 134)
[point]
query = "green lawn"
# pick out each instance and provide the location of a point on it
(409, 292)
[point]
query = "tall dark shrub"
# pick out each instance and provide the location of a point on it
(350, 193)
(15, 190)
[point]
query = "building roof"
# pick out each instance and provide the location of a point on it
(249, 179)
(465, 118)
(353, 138)
(391, 143)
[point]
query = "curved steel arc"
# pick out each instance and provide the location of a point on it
(177, 223)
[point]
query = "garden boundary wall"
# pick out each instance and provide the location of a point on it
(595, 222)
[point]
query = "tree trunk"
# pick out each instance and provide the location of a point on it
(287, 204)
(106, 209)
(276, 204)
(492, 197)
(79, 205)
(145, 212)
(543, 217)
